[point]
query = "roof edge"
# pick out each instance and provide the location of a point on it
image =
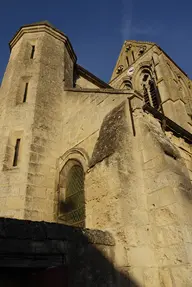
(92, 78)
(44, 26)
(172, 60)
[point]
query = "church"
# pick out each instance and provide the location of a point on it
(95, 177)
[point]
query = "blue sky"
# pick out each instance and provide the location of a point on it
(97, 29)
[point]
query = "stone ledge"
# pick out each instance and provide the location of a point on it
(41, 231)
(25, 243)
(102, 91)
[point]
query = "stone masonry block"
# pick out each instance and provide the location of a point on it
(15, 203)
(164, 236)
(151, 277)
(161, 197)
(187, 231)
(141, 256)
(156, 182)
(171, 255)
(165, 215)
(166, 278)
(181, 276)
(120, 255)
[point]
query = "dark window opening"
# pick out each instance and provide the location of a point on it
(72, 209)
(146, 96)
(127, 59)
(16, 155)
(153, 93)
(32, 51)
(145, 77)
(133, 56)
(25, 93)
(150, 91)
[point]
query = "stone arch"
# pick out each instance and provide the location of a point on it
(74, 153)
(126, 83)
(71, 195)
(137, 74)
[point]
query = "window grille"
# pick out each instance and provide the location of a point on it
(72, 208)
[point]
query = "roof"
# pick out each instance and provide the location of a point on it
(154, 44)
(46, 23)
(92, 78)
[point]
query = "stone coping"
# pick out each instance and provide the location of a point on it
(13, 229)
(109, 91)
(31, 244)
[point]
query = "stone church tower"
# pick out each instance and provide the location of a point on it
(115, 157)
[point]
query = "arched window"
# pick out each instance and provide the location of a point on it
(71, 194)
(150, 90)
(128, 85)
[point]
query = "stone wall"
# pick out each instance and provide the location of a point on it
(137, 177)
(146, 201)
(83, 256)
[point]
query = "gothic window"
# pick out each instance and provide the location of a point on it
(153, 94)
(72, 198)
(150, 90)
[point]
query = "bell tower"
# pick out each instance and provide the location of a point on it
(40, 67)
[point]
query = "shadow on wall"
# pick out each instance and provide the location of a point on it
(48, 254)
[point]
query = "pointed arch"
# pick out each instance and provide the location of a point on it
(126, 84)
(145, 83)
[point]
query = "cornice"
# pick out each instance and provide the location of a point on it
(36, 28)
(138, 42)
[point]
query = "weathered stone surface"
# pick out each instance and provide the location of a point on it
(151, 277)
(110, 135)
(25, 229)
(137, 165)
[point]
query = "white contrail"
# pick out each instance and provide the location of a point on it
(126, 25)
(131, 30)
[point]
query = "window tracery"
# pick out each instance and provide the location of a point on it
(150, 90)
